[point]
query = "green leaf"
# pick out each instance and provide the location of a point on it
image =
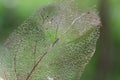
(55, 43)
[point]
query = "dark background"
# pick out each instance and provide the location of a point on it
(105, 64)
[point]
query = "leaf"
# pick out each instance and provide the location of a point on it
(55, 43)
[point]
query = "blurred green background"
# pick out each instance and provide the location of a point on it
(105, 64)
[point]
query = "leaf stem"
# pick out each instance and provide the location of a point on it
(15, 66)
(40, 59)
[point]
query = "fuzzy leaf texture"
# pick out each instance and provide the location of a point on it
(55, 43)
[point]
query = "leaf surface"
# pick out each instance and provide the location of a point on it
(55, 43)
